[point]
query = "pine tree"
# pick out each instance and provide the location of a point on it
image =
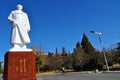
(56, 51)
(64, 53)
(92, 62)
(78, 49)
(117, 55)
(86, 45)
(1, 70)
(78, 57)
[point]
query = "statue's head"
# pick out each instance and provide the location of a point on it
(19, 7)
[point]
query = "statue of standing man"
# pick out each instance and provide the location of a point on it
(20, 28)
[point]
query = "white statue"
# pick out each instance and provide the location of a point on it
(20, 28)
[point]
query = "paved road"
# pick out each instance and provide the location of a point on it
(78, 76)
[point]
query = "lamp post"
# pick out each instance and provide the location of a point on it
(98, 34)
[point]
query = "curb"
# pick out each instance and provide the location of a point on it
(115, 72)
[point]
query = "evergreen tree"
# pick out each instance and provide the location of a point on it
(78, 50)
(50, 53)
(38, 62)
(118, 47)
(117, 55)
(64, 53)
(1, 70)
(78, 57)
(91, 63)
(56, 51)
(86, 45)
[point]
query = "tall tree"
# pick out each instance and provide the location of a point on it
(56, 51)
(92, 62)
(79, 51)
(1, 70)
(50, 53)
(87, 46)
(117, 55)
(78, 57)
(64, 53)
(38, 62)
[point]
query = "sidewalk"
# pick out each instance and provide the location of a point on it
(81, 72)
(115, 72)
(40, 79)
(46, 73)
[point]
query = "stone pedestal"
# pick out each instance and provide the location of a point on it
(19, 66)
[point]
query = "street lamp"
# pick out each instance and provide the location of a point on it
(98, 34)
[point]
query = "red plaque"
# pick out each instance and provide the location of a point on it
(19, 66)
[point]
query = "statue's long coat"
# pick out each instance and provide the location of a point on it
(21, 28)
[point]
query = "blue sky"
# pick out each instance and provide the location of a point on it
(58, 23)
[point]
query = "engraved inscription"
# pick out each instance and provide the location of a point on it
(22, 66)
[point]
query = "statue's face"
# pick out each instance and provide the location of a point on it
(19, 7)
